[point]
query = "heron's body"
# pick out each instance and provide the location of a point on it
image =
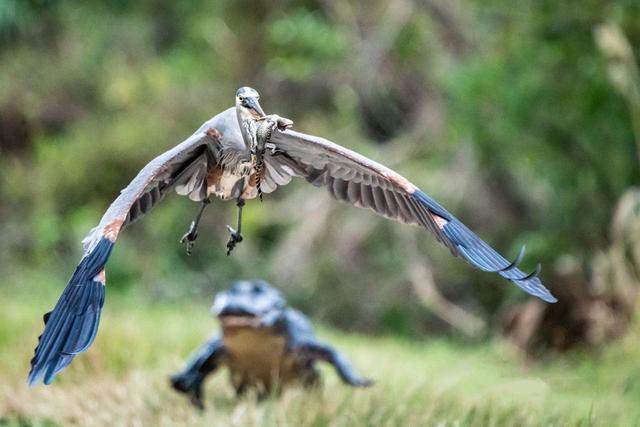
(264, 344)
(233, 184)
(232, 175)
(238, 155)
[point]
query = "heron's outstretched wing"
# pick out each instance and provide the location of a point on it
(355, 179)
(71, 326)
(183, 168)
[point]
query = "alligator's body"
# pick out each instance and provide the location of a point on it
(264, 344)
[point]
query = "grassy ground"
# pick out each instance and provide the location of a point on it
(122, 380)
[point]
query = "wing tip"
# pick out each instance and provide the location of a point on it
(482, 256)
(550, 299)
(533, 286)
(67, 333)
(71, 327)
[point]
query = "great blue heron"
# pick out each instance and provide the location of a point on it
(237, 155)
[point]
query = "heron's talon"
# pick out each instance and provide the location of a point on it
(189, 242)
(234, 239)
(190, 237)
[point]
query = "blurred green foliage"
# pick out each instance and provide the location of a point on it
(301, 44)
(502, 111)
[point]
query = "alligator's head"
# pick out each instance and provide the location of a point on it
(249, 304)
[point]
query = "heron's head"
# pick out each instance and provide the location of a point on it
(249, 304)
(247, 103)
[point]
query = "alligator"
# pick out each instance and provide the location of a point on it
(265, 345)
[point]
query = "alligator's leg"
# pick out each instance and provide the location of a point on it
(311, 378)
(204, 361)
(236, 234)
(239, 383)
(190, 237)
(318, 350)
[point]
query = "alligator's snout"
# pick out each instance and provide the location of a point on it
(238, 316)
(235, 310)
(248, 305)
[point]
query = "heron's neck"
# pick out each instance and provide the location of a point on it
(248, 127)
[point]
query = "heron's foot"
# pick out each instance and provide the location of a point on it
(234, 239)
(281, 122)
(190, 237)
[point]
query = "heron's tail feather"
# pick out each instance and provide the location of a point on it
(71, 326)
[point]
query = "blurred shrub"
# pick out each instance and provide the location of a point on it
(301, 44)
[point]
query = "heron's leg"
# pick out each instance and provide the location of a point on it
(236, 235)
(190, 237)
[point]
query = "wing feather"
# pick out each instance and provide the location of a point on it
(354, 193)
(71, 326)
(183, 168)
(354, 178)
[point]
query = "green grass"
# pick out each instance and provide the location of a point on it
(121, 380)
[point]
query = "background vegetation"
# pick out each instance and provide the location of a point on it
(522, 118)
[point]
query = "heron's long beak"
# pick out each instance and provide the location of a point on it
(254, 105)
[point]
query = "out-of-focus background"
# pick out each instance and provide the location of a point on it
(522, 118)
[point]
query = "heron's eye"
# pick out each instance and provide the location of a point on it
(241, 98)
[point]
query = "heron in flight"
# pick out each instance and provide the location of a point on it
(238, 155)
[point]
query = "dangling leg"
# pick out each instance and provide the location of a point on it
(190, 237)
(236, 236)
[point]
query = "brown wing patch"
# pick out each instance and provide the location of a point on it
(440, 222)
(112, 229)
(214, 133)
(214, 175)
(403, 182)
